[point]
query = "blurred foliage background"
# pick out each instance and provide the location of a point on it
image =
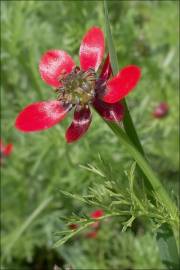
(145, 33)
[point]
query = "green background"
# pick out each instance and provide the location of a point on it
(145, 33)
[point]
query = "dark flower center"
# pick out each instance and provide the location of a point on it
(78, 87)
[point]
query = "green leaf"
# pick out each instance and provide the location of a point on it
(132, 176)
(73, 196)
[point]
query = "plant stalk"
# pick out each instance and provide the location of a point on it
(165, 237)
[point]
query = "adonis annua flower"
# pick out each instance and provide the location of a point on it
(79, 88)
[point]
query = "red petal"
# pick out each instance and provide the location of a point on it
(54, 63)
(8, 149)
(119, 87)
(92, 49)
(97, 214)
(110, 112)
(41, 115)
(79, 125)
(106, 69)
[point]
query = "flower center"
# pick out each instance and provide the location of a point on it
(77, 87)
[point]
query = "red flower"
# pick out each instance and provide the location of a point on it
(96, 225)
(5, 150)
(161, 110)
(79, 88)
(97, 213)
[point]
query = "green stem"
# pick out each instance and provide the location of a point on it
(166, 241)
(131, 140)
(127, 121)
(148, 172)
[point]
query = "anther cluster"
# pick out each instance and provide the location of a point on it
(77, 87)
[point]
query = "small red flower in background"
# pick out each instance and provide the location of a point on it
(79, 88)
(96, 225)
(97, 213)
(5, 150)
(161, 110)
